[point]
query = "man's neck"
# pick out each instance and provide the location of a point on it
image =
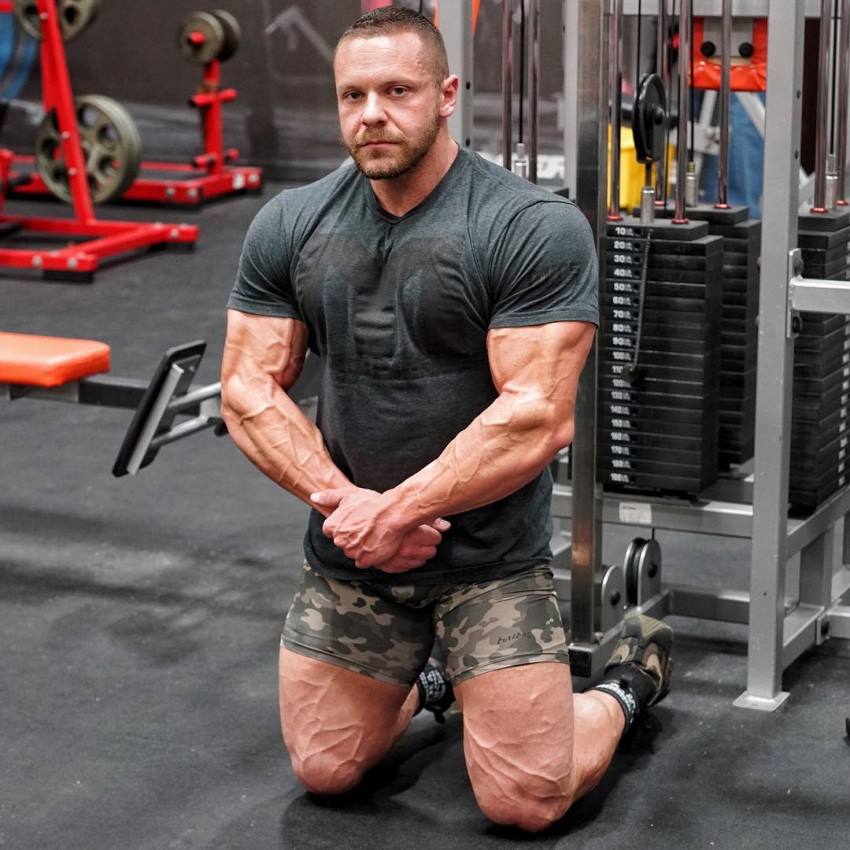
(399, 195)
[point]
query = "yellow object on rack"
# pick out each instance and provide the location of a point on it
(632, 172)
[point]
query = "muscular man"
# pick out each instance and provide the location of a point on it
(453, 305)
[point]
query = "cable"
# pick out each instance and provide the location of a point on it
(521, 67)
(637, 56)
(689, 23)
(834, 77)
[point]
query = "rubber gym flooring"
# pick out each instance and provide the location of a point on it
(139, 623)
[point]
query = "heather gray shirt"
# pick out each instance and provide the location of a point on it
(398, 308)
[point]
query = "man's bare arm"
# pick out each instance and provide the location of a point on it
(536, 372)
(263, 357)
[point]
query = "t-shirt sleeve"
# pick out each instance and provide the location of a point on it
(263, 285)
(544, 269)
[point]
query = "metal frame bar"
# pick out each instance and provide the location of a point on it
(456, 29)
(780, 629)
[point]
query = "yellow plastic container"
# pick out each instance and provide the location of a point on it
(631, 171)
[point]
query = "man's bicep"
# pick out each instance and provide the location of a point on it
(258, 347)
(544, 359)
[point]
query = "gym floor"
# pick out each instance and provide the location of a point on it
(139, 621)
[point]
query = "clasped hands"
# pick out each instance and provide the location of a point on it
(368, 529)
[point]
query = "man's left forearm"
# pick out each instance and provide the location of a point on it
(500, 451)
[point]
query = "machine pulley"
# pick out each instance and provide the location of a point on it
(74, 16)
(641, 564)
(649, 119)
(112, 149)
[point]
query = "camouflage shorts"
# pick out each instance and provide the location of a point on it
(388, 631)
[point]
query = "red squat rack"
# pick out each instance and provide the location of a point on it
(77, 261)
(211, 174)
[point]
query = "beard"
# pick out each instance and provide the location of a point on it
(404, 156)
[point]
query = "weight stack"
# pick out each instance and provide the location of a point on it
(658, 431)
(738, 330)
(821, 394)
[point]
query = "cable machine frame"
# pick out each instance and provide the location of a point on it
(780, 629)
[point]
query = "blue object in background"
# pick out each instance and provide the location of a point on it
(746, 163)
(18, 53)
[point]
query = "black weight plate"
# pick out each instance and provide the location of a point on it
(660, 303)
(660, 485)
(823, 241)
(704, 277)
(829, 221)
(663, 372)
(824, 255)
(232, 34)
(201, 37)
(648, 384)
(704, 246)
(654, 415)
(631, 228)
(644, 458)
(634, 259)
(660, 289)
(649, 440)
(643, 404)
(649, 119)
(718, 217)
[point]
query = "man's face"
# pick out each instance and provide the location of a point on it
(390, 107)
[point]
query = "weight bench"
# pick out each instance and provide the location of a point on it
(62, 369)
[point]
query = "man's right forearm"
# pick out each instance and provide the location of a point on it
(279, 439)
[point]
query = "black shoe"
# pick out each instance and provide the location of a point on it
(435, 691)
(639, 671)
(645, 648)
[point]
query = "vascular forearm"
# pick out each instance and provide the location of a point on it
(281, 441)
(504, 448)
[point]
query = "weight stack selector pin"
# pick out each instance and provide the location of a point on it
(831, 183)
(647, 205)
(520, 164)
(691, 187)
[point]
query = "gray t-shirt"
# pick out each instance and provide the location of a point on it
(398, 308)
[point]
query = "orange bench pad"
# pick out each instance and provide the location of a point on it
(49, 361)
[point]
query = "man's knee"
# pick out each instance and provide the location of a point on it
(327, 774)
(528, 808)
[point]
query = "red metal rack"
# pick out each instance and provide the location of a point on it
(102, 239)
(209, 175)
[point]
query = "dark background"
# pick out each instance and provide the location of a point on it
(285, 116)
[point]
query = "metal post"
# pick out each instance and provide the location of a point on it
(456, 29)
(663, 72)
(843, 97)
(507, 90)
(775, 358)
(592, 155)
(679, 216)
(822, 121)
(725, 94)
(615, 86)
(534, 92)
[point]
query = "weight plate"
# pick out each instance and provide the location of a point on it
(649, 119)
(232, 34)
(201, 37)
(111, 147)
(74, 16)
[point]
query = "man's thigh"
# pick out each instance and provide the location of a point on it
(349, 653)
(518, 742)
(505, 649)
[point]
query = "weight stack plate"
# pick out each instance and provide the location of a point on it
(820, 413)
(658, 431)
(738, 335)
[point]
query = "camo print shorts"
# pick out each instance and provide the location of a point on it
(388, 632)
